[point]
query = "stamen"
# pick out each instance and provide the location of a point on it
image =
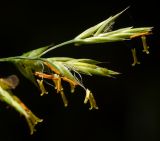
(89, 97)
(59, 86)
(72, 88)
(145, 47)
(55, 80)
(65, 101)
(41, 86)
(43, 75)
(135, 60)
(32, 121)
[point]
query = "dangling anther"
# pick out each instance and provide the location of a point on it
(41, 86)
(145, 47)
(135, 60)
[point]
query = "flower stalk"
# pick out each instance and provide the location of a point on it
(54, 71)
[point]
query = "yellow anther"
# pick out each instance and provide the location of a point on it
(135, 60)
(145, 47)
(89, 97)
(41, 86)
(65, 101)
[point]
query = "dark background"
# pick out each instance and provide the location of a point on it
(129, 105)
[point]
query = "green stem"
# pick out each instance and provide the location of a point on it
(9, 59)
(57, 46)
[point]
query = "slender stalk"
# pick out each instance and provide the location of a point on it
(57, 46)
(9, 59)
(38, 58)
